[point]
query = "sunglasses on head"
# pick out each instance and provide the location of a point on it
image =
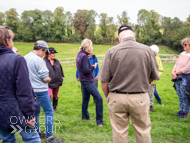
(185, 45)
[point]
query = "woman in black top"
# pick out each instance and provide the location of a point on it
(56, 75)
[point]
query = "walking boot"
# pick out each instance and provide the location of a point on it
(55, 102)
(152, 109)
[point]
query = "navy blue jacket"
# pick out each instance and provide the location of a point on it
(84, 67)
(179, 77)
(93, 59)
(16, 94)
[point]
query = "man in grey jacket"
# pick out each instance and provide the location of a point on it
(39, 77)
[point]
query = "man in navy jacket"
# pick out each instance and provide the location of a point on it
(17, 111)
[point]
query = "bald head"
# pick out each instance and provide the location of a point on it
(124, 34)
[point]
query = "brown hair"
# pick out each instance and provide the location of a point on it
(5, 34)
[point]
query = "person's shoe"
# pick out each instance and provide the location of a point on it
(41, 134)
(160, 103)
(52, 139)
(183, 115)
(100, 125)
(55, 109)
(178, 114)
(88, 119)
(152, 109)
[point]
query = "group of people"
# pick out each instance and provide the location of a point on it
(128, 79)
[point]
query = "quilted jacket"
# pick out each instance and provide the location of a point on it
(16, 96)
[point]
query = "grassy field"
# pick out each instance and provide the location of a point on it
(68, 124)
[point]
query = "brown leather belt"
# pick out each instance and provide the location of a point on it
(128, 92)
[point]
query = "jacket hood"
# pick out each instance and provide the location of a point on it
(4, 50)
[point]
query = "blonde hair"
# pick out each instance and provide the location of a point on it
(85, 44)
(187, 40)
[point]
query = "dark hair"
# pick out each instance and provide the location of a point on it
(5, 34)
(36, 47)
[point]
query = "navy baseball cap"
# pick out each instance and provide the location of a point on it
(51, 50)
(123, 28)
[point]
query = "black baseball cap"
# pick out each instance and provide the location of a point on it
(51, 50)
(123, 29)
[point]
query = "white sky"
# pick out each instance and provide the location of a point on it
(168, 8)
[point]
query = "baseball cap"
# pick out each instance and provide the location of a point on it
(51, 50)
(123, 29)
(41, 43)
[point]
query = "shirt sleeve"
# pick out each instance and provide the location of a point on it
(24, 89)
(85, 65)
(104, 74)
(97, 67)
(160, 67)
(77, 74)
(154, 67)
(42, 69)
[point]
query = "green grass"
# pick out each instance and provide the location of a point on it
(165, 127)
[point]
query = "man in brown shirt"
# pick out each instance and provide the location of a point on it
(126, 72)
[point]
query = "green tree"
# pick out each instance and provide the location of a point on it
(12, 19)
(58, 27)
(69, 20)
(80, 22)
(123, 19)
(31, 27)
(112, 28)
(2, 18)
(90, 32)
(104, 20)
(47, 20)
(25, 29)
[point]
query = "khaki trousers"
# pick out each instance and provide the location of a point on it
(123, 106)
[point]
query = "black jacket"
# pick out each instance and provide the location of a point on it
(55, 73)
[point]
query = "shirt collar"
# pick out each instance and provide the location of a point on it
(128, 38)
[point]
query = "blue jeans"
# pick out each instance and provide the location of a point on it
(183, 96)
(90, 88)
(29, 135)
(158, 99)
(45, 102)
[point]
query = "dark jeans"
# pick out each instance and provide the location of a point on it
(158, 99)
(90, 88)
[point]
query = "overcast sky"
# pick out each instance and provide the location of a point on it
(168, 8)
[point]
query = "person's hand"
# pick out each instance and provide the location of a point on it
(95, 65)
(78, 79)
(174, 75)
(47, 80)
(31, 122)
(63, 78)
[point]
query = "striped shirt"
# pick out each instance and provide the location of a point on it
(183, 63)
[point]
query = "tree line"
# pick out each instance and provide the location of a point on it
(63, 26)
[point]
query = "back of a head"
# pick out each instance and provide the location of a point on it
(85, 44)
(125, 31)
(155, 49)
(40, 44)
(5, 34)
